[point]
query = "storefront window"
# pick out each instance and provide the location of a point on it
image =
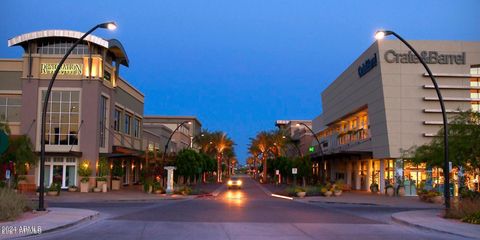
(60, 169)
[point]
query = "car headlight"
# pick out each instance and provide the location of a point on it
(229, 182)
(239, 182)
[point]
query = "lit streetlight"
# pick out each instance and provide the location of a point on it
(41, 202)
(446, 168)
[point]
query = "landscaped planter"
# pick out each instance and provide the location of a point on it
(72, 189)
(301, 194)
(100, 184)
(437, 199)
(390, 191)
(115, 184)
(97, 190)
(84, 187)
(401, 191)
(52, 193)
(328, 193)
(337, 193)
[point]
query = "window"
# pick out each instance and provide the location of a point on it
(127, 126)
(63, 117)
(61, 47)
(103, 119)
(117, 115)
(476, 106)
(475, 94)
(136, 127)
(475, 69)
(10, 108)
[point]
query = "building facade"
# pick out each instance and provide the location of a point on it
(93, 111)
(385, 102)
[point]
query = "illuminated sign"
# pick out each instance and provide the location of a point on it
(367, 65)
(430, 57)
(311, 149)
(66, 69)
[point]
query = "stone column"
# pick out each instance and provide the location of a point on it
(170, 179)
(357, 165)
(381, 184)
(369, 174)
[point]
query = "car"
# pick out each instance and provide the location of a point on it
(234, 183)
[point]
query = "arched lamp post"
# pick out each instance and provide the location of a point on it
(320, 147)
(41, 203)
(446, 191)
(170, 138)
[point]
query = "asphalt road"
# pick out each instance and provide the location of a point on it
(238, 214)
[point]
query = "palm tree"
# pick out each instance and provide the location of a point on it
(220, 142)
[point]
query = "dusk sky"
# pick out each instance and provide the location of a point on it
(240, 65)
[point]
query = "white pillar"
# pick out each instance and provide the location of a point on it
(382, 176)
(170, 179)
(369, 174)
(358, 166)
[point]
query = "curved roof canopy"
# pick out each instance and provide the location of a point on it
(112, 45)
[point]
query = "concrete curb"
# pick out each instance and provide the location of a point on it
(217, 191)
(265, 190)
(396, 218)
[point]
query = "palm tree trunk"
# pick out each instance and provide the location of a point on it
(255, 167)
(264, 169)
(219, 168)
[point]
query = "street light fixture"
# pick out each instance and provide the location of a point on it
(320, 147)
(41, 202)
(446, 168)
(171, 135)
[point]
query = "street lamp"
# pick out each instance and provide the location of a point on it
(319, 144)
(446, 191)
(171, 135)
(41, 205)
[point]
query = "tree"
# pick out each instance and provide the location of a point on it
(463, 141)
(20, 153)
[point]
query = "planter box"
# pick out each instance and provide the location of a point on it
(328, 193)
(115, 184)
(52, 193)
(100, 184)
(72, 189)
(390, 191)
(84, 187)
(301, 194)
(337, 193)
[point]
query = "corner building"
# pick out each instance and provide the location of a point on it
(93, 112)
(385, 102)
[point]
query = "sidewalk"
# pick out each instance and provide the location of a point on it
(433, 220)
(54, 219)
(360, 198)
(134, 193)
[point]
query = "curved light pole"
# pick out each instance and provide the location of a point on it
(170, 138)
(320, 147)
(41, 205)
(446, 185)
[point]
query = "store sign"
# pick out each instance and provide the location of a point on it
(367, 65)
(311, 149)
(67, 68)
(430, 57)
(294, 170)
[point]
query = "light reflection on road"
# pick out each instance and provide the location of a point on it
(234, 197)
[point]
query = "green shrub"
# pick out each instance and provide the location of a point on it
(12, 204)
(290, 191)
(464, 208)
(313, 190)
(473, 218)
(84, 170)
(184, 190)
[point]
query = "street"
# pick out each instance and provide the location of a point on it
(238, 214)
